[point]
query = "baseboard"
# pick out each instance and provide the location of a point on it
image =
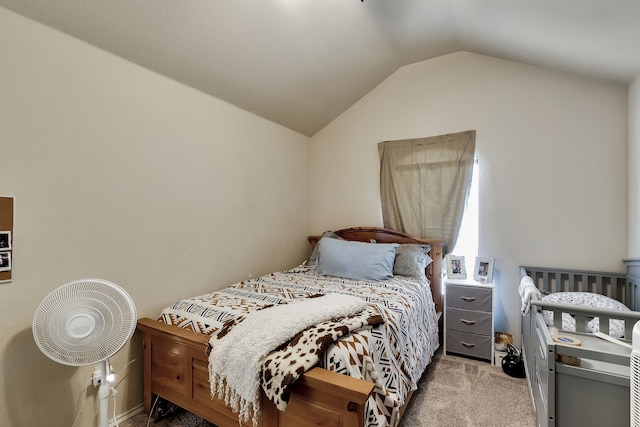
(130, 413)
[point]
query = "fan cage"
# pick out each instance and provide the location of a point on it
(102, 312)
(635, 387)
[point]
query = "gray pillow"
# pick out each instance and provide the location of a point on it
(411, 260)
(314, 253)
(356, 260)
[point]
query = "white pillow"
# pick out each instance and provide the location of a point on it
(356, 260)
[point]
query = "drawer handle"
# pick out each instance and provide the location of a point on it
(468, 299)
(467, 344)
(468, 322)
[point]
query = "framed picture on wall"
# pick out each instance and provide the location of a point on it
(483, 270)
(5, 240)
(456, 268)
(5, 261)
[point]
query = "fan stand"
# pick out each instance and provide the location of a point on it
(105, 392)
(85, 322)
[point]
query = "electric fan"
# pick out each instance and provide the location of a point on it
(635, 377)
(85, 322)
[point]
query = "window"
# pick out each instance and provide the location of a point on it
(424, 184)
(467, 243)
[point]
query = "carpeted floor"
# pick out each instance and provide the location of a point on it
(459, 392)
(453, 392)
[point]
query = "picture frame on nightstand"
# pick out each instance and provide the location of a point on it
(483, 270)
(456, 268)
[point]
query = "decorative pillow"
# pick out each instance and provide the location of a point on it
(412, 260)
(586, 299)
(356, 260)
(314, 253)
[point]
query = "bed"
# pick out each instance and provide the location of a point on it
(368, 392)
(576, 377)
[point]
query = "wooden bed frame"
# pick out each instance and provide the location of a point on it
(176, 366)
(565, 394)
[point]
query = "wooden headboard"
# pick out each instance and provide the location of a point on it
(383, 235)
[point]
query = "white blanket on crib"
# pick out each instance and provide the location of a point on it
(527, 290)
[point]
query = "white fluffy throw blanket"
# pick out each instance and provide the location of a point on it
(527, 291)
(237, 351)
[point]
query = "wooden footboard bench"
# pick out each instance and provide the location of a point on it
(177, 358)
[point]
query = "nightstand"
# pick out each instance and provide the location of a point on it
(468, 318)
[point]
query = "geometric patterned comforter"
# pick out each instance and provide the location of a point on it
(392, 355)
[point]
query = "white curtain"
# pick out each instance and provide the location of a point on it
(424, 184)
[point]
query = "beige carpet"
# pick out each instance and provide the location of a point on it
(453, 392)
(459, 392)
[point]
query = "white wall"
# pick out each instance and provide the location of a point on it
(634, 173)
(552, 151)
(122, 174)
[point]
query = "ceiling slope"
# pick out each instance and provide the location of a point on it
(301, 63)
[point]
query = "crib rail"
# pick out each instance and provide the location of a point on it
(583, 315)
(613, 285)
(633, 292)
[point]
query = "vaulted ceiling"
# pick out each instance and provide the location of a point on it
(301, 63)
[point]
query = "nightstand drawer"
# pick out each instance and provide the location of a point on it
(469, 344)
(477, 322)
(469, 297)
